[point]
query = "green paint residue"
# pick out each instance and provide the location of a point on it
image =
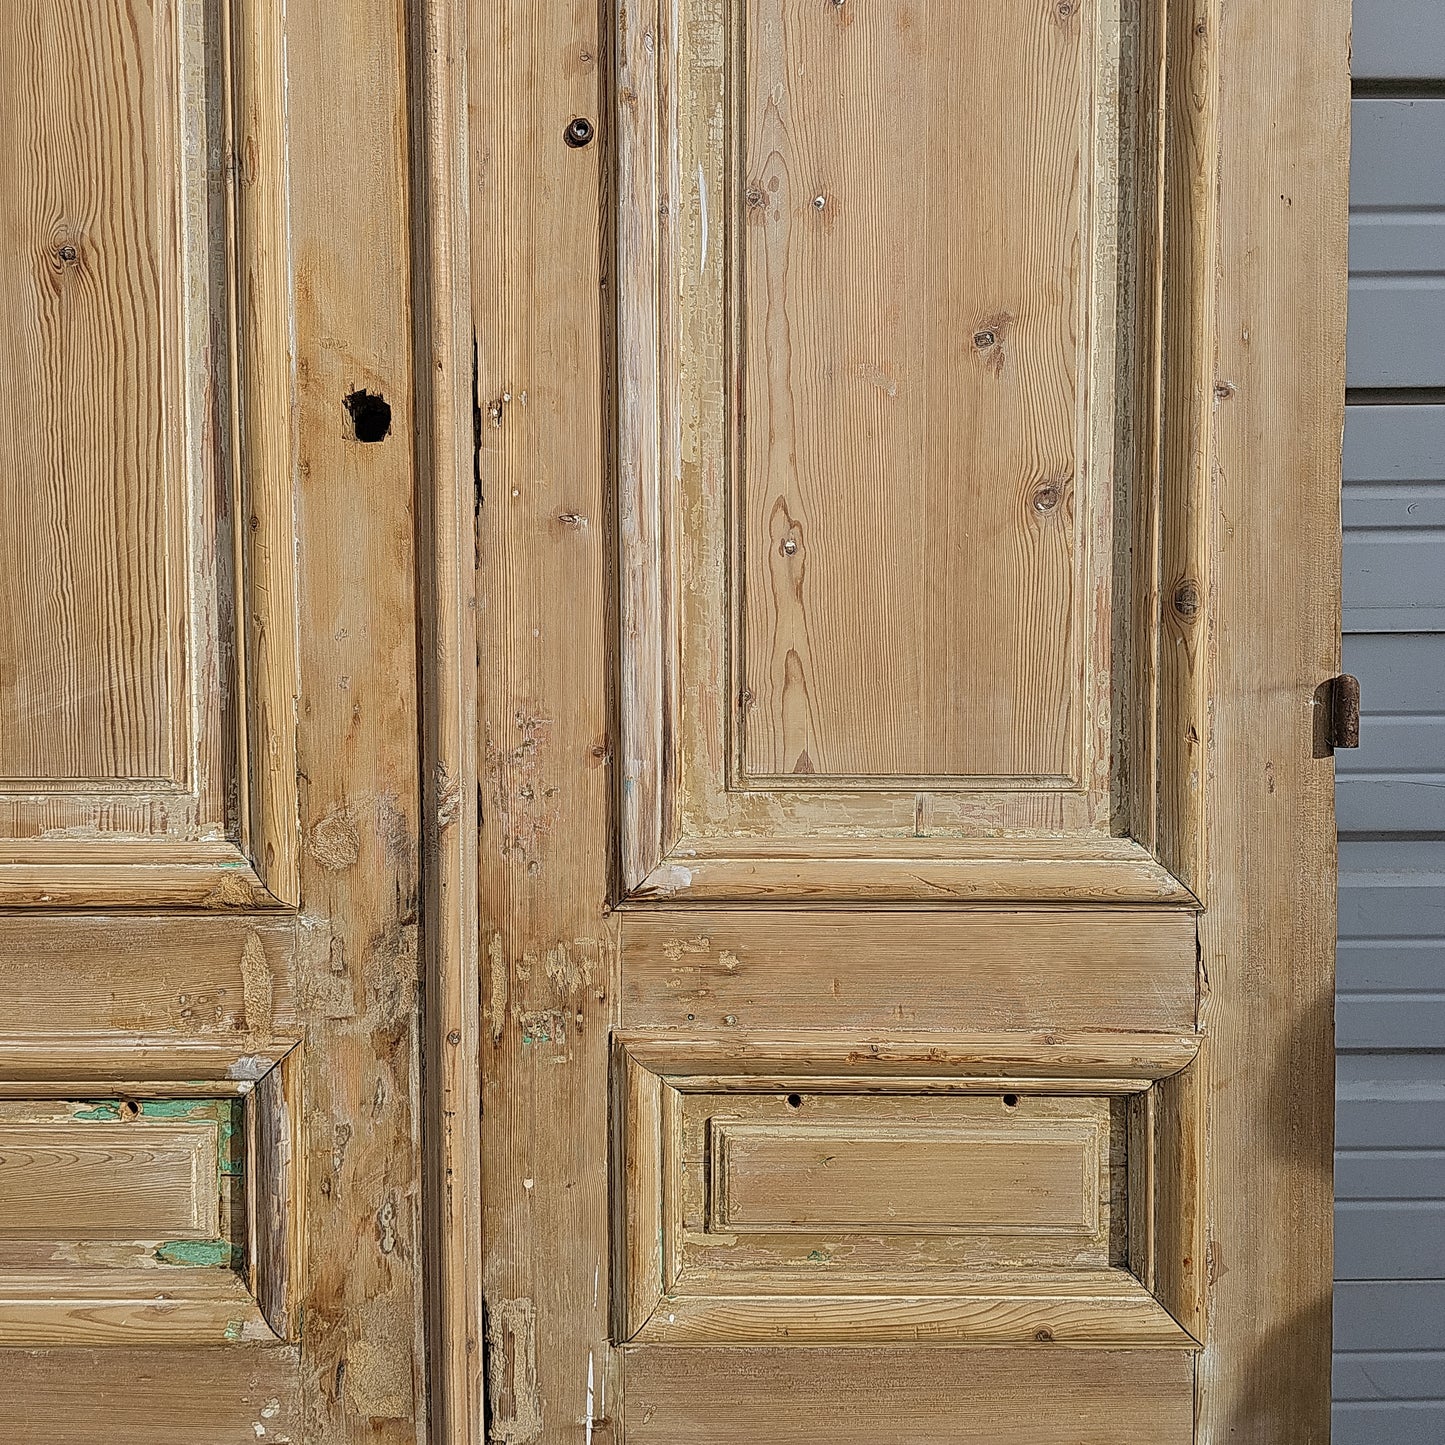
(109, 1109)
(102, 1110)
(230, 1155)
(817, 1256)
(206, 1253)
(233, 1329)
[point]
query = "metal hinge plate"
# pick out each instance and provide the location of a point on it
(1344, 713)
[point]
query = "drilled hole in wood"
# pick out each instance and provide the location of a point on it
(370, 415)
(795, 1101)
(129, 1109)
(1010, 1101)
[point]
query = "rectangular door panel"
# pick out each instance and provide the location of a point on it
(148, 655)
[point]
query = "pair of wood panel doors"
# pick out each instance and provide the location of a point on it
(665, 737)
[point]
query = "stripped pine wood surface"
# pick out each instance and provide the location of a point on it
(912, 498)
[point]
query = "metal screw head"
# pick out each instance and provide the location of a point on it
(820, 203)
(579, 132)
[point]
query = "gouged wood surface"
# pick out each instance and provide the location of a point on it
(1268, 938)
(544, 732)
(910, 494)
(933, 1397)
(362, 1359)
(146, 1397)
(690, 969)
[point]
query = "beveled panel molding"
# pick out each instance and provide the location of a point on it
(988, 1190)
(149, 757)
(911, 609)
(153, 1205)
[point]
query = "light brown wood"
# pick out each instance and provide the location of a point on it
(930, 1397)
(149, 744)
(905, 1177)
(1267, 941)
(67, 1181)
(544, 732)
(210, 814)
(913, 508)
(693, 969)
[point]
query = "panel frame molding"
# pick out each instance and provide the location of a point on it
(691, 828)
(1151, 1303)
(43, 1307)
(223, 833)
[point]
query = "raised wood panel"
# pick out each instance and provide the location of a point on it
(694, 968)
(141, 1208)
(910, 603)
(905, 1177)
(146, 647)
(69, 1181)
(928, 1397)
(988, 1190)
(914, 511)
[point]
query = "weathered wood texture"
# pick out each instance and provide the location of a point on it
(543, 529)
(358, 726)
(211, 713)
(1267, 938)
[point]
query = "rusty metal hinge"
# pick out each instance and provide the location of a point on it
(1344, 711)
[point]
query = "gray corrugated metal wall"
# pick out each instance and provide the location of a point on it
(1390, 1164)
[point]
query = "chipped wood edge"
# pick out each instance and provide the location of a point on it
(57, 1066)
(217, 877)
(446, 465)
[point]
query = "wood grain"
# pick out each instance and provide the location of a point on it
(93, 527)
(76, 1181)
(912, 499)
(543, 625)
(358, 737)
(932, 1397)
(1268, 937)
(693, 968)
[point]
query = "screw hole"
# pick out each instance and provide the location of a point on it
(129, 1109)
(795, 1101)
(579, 132)
(1010, 1101)
(370, 416)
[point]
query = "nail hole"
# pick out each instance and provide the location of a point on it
(1010, 1101)
(129, 1109)
(370, 416)
(795, 1101)
(579, 132)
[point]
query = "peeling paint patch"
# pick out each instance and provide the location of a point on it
(251, 1067)
(200, 1253)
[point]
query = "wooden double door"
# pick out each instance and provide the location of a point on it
(665, 754)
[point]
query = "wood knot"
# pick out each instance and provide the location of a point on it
(1047, 498)
(1187, 599)
(1044, 1336)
